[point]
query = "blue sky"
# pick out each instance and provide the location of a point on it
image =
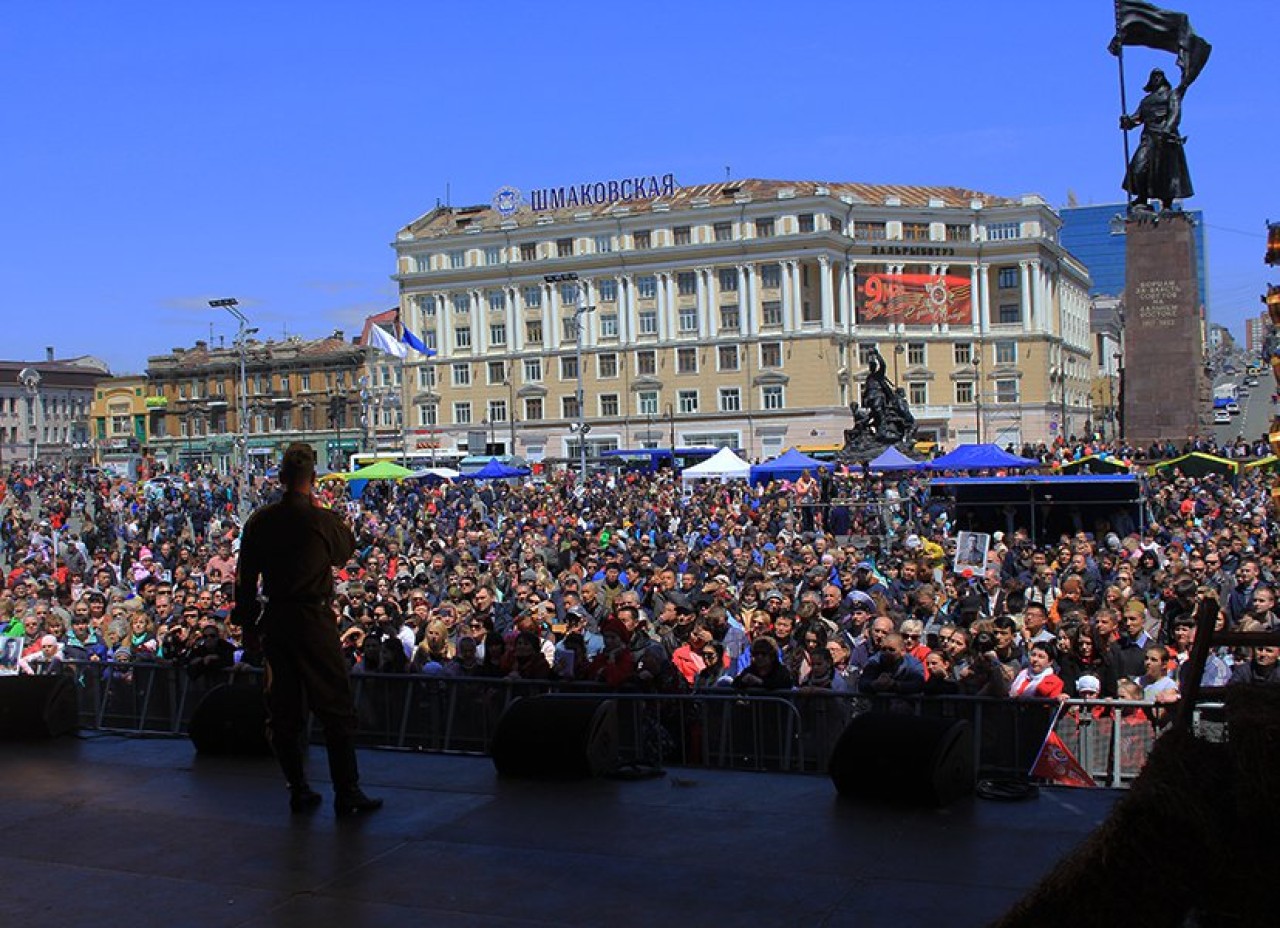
(157, 155)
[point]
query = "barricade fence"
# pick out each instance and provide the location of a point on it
(720, 727)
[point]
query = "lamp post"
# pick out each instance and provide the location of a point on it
(583, 429)
(511, 407)
(671, 423)
(29, 377)
(243, 331)
(977, 390)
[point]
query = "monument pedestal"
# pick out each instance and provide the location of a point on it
(1164, 379)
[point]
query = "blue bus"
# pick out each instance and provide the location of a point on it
(653, 460)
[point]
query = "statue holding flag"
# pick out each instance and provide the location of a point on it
(1158, 169)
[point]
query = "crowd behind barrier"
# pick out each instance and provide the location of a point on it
(837, 586)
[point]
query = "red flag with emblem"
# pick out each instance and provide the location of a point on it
(1056, 763)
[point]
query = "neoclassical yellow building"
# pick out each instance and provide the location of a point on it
(740, 313)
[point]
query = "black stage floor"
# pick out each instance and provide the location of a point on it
(102, 831)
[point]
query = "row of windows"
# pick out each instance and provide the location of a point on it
(1005, 352)
(263, 384)
(761, 227)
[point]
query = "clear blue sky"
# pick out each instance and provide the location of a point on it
(156, 155)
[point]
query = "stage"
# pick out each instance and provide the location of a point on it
(102, 830)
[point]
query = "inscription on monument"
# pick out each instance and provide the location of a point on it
(1158, 303)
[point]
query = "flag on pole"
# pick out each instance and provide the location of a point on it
(416, 343)
(1142, 23)
(1056, 763)
(379, 338)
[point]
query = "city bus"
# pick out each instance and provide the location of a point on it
(653, 460)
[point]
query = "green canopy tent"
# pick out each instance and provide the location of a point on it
(1270, 463)
(379, 470)
(1199, 464)
(1093, 464)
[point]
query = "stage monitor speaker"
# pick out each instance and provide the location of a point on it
(37, 706)
(905, 759)
(230, 721)
(557, 737)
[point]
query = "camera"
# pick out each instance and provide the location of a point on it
(984, 642)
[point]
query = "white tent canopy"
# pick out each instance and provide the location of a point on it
(723, 465)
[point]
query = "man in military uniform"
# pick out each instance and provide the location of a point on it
(291, 546)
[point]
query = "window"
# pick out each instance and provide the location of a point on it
(607, 290)
(963, 353)
(764, 228)
(461, 303)
(805, 222)
(682, 235)
(687, 401)
(568, 293)
(1006, 352)
(642, 239)
(687, 283)
(865, 350)
(532, 370)
(869, 231)
(771, 313)
(730, 318)
(428, 414)
(647, 402)
(836, 224)
(771, 276)
(727, 357)
(495, 372)
(915, 231)
(564, 248)
(461, 374)
(569, 329)
(462, 413)
(609, 404)
(688, 319)
(532, 296)
(958, 233)
(723, 231)
(606, 365)
(1007, 390)
(427, 304)
(1009, 313)
(569, 407)
(730, 399)
(608, 325)
(493, 255)
(422, 263)
(771, 397)
(728, 280)
(457, 259)
(604, 244)
(498, 334)
(647, 286)
(528, 251)
(1003, 231)
(964, 392)
(569, 367)
(497, 410)
(462, 338)
(686, 360)
(771, 354)
(306, 381)
(533, 408)
(497, 300)
(1007, 278)
(915, 352)
(648, 320)
(646, 363)
(533, 331)
(426, 377)
(918, 393)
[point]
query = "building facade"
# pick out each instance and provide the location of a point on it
(295, 390)
(1095, 235)
(44, 408)
(1255, 334)
(120, 417)
(744, 314)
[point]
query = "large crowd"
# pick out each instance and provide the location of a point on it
(835, 581)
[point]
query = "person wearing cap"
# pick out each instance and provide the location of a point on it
(290, 547)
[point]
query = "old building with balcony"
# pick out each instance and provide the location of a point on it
(44, 408)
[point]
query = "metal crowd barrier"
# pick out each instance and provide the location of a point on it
(791, 732)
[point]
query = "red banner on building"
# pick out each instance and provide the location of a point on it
(914, 299)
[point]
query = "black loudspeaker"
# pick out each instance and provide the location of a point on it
(907, 759)
(556, 737)
(231, 721)
(37, 706)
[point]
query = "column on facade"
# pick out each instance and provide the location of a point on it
(550, 317)
(626, 310)
(785, 270)
(842, 296)
(673, 312)
(590, 321)
(975, 297)
(515, 317)
(444, 324)
(828, 309)
(480, 317)
(660, 307)
(1025, 295)
(748, 298)
(851, 286)
(710, 283)
(744, 315)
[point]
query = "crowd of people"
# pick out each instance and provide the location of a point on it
(840, 582)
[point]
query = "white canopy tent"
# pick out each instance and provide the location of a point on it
(722, 466)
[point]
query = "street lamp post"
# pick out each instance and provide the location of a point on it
(29, 377)
(583, 429)
(243, 331)
(977, 391)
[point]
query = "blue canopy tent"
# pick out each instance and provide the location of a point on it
(978, 457)
(496, 470)
(892, 459)
(787, 466)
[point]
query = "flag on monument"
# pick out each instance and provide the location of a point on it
(1058, 764)
(1142, 23)
(379, 338)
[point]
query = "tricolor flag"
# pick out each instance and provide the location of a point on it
(1059, 765)
(379, 339)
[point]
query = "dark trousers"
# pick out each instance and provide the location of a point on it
(306, 673)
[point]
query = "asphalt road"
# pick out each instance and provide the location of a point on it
(1254, 419)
